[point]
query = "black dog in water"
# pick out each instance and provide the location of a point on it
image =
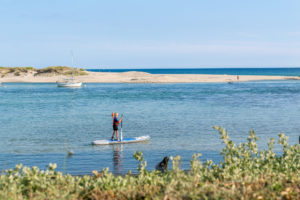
(163, 165)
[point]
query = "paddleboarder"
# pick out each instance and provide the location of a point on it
(116, 122)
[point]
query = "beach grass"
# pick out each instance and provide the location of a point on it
(49, 71)
(61, 70)
(244, 173)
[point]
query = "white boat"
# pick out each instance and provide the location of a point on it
(68, 83)
(71, 82)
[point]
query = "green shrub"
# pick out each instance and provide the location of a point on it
(76, 73)
(52, 70)
(245, 173)
(17, 73)
(60, 70)
(30, 68)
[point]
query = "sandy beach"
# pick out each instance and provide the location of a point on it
(143, 77)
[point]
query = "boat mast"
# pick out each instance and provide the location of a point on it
(72, 65)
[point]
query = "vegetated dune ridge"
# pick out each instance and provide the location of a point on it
(52, 74)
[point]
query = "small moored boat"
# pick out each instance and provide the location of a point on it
(68, 83)
(71, 82)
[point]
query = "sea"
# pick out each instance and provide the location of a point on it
(221, 71)
(40, 123)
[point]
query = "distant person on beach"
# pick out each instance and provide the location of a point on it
(116, 122)
(237, 77)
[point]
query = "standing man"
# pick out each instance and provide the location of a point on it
(115, 125)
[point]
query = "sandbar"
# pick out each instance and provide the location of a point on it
(143, 77)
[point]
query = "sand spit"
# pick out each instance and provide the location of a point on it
(142, 77)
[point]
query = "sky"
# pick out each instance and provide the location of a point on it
(150, 34)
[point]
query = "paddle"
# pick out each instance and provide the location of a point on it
(121, 127)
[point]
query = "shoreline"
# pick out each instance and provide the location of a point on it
(143, 77)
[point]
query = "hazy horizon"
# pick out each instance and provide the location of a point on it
(116, 68)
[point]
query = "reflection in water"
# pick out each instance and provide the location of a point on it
(117, 158)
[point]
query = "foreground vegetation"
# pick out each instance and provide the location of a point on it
(245, 173)
(49, 71)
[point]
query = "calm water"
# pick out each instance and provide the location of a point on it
(231, 71)
(39, 121)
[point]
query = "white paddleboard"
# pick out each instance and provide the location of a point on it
(123, 141)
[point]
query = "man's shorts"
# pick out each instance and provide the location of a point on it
(115, 127)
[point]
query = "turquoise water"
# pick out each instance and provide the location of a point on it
(231, 71)
(38, 122)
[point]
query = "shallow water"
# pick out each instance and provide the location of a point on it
(38, 122)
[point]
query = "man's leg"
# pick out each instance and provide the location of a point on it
(118, 135)
(113, 135)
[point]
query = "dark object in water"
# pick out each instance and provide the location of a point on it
(163, 165)
(70, 153)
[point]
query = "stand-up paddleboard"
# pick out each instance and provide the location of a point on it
(123, 141)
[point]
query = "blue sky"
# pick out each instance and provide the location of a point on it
(150, 34)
